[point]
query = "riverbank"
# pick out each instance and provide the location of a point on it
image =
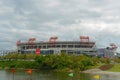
(98, 71)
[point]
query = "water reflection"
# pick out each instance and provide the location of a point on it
(104, 76)
(49, 75)
(41, 75)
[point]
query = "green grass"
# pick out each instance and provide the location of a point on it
(116, 68)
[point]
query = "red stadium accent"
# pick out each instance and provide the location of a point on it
(52, 40)
(84, 39)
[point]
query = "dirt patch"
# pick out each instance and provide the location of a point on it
(106, 67)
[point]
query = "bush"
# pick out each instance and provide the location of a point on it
(105, 60)
(61, 61)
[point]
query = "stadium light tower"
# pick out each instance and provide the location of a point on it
(84, 39)
(52, 40)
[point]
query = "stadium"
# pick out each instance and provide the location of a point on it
(53, 46)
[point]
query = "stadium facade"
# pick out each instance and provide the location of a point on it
(82, 46)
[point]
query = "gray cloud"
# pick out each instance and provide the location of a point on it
(67, 19)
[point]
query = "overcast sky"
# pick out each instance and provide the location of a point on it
(67, 19)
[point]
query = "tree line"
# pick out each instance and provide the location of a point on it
(54, 62)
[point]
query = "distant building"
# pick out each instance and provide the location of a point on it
(107, 52)
(118, 55)
(84, 46)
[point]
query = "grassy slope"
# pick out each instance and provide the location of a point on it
(116, 68)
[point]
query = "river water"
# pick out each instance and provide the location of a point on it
(49, 75)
